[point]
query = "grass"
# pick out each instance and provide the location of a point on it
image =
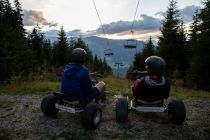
(35, 87)
(114, 86)
(186, 92)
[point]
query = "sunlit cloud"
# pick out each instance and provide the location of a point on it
(32, 17)
(144, 24)
(137, 35)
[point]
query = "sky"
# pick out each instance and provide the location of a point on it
(80, 17)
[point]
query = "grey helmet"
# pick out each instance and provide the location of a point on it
(79, 55)
(157, 64)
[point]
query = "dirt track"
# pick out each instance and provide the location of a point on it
(21, 118)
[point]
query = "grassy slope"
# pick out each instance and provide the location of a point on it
(35, 87)
(113, 86)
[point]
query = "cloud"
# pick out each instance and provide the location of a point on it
(186, 13)
(144, 24)
(32, 17)
(160, 13)
(148, 23)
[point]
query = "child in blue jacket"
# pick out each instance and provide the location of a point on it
(76, 80)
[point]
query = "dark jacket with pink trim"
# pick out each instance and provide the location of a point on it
(151, 88)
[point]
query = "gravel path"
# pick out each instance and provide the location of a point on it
(21, 118)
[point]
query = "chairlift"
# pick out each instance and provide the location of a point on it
(108, 52)
(130, 43)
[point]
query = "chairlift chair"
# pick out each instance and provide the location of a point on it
(108, 52)
(130, 43)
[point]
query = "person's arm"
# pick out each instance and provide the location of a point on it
(136, 87)
(87, 84)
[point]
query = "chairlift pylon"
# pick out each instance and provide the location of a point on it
(119, 64)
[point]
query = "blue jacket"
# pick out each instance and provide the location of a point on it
(76, 82)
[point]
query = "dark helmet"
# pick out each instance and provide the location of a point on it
(78, 55)
(157, 64)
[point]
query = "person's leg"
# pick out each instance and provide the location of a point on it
(100, 86)
(99, 90)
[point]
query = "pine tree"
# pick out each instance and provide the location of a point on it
(5, 70)
(194, 31)
(72, 42)
(137, 61)
(95, 63)
(61, 50)
(149, 48)
(182, 54)
(108, 69)
(19, 20)
(135, 66)
(198, 75)
(172, 41)
(101, 66)
(147, 51)
(48, 56)
(15, 58)
(36, 41)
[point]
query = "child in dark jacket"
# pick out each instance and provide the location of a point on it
(76, 81)
(154, 86)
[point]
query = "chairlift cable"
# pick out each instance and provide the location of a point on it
(134, 17)
(131, 42)
(100, 22)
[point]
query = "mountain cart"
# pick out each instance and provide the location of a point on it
(91, 114)
(175, 108)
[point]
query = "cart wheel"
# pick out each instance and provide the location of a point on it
(176, 111)
(91, 116)
(122, 110)
(48, 105)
